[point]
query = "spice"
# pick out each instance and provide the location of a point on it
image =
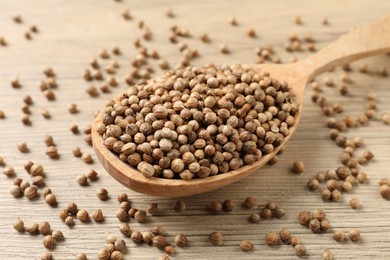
(152, 208)
(31, 192)
(104, 254)
(159, 242)
(338, 235)
(69, 221)
(45, 113)
(122, 215)
(298, 167)
(180, 206)
(300, 250)
(16, 191)
(87, 158)
(157, 230)
(125, 229)
(250, 202)
(304, 218)
(254, 218)
(33, 229)
(82, 180)
(295, 240)
(92, 175)
(216, 238)
(9, 171)
(52, 152)
(51, 200)
(327, 255)
(312, 184)
(272, 238)
(354, 235)
(47, 256)
(58, 235)
(23, 148)
(120, 245)
(170, 250)
(215, 207)
(97, 215)
(48, 242)
(44, 228)
(76, 151)
(285, 236)
(227, 205)
(72, 108)
(181, 240)
(81, 256)
(140, 216)
(83, 215)
(318, 214)
(19, 225)
(246, 245)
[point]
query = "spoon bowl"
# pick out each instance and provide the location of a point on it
(372, 39)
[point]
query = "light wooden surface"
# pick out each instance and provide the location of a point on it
(72, 34)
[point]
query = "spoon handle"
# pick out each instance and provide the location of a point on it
(369, 40)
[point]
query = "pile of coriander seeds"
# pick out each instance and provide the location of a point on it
(198, 122)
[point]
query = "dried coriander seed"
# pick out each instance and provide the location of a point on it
(228, 205)
(97, 215)
(58, 235)
(170, 250)
(120, 245)
(215, 207)
(140, 216)
(300, 250)
(23, 148)
(136, 237)
(246, 245)
(338, 235)
(250, 202)
(82, 180)
(19, 225)
(159, 242)
(152, 208)
(47, 256)
(285, 236)
(304, 218)
(87, 158)
(254, 218)
(31, 192)
(16, 191)
(125, 229)
(295, 240)
(122, 215)
(318, 214)
(81, 256)
(354, 235)
(298, 167)
(181, 240)
(104, 254)
(102, 194)
(327, 255)
(44, 228)
(216, 238)
(180, 206)
(51, 200)
(83, 215)
(48, 242)
(9, 171)
(272, 238)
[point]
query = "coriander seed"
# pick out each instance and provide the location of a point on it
(44, 228)
(147, 237)
(87, 158)
(327, 255)
(102, 194)
(250, 202)
(47, 256)
(159, 242)
(354, 235)
(125, 229)
(300, 250)
(170, 250)
(304, 218)
(33, 229)
(315, 226)
(152, 208)
(285, 236)
(31, 192)
(246, 245)
(228, 205)
(181, 240)
(23, 148)
(9, 171)
(16, 191)
(216, 238)
(104, 254)
(58, 235)
(122, 215)
(48, 242)
(254, 218)
(82, 180)
(215, 207)
(69, 221)
(318, 214)
(97, 215)
(81, 256)
(298, 167)
(272, 238)
(76, 152)
(140, 216)
(312, 184)
(338, 235)
(120, 245)
(180, 206)
(19, 225)
(83, 215)
(51, 200)
(295, 240)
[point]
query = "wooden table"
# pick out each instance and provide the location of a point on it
(72, 33)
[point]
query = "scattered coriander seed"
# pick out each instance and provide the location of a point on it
(159, 242)
(82, 180)
(3, 42)
(312, 184)
(81, 256)
(51, 200)
(300, 250)
(122, 215)
(298, 20)
(132, 212)
(152, 208)
(354, 235)
(72, 208)
(9, 171)
(136, 237)
(25, 119)
(45, 113)
(63, 214)
(327, 255)
(180, 206)
(32, 229)
(298, 167)
(338, 235)
(52, 152)
(285, 236)
(110, 239)
(15, 83)
(295, 240)
(16, 191)
(315, 226)
(140, 216)
(104, 254)
(58, 235)
(83, 215)
(87, 158)
(23, 148)
(233, 21)
(31, 192)
(227, 205)
(72, 108)
(251, 32)
(318, 214)
(74, 128)
(97, 215)
(125, 229)
(157, 230)
(120, 245)
(336, 195)
(266, 213)
(170, 250)
(48, 242)
(49, 141)
(272, 238)
(181, 240)
(102, 194)
(47, 256)
(304, 218)
(326, 194)
(19, 225)
(384, 190)
(92, 175)
(246, 245)
(223, 48)
(44, 228)
(215, 207)
(76, 151)
(69, 221)
(216, 238)
(250, 202)
(254, 218)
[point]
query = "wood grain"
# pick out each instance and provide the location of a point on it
(72, 34)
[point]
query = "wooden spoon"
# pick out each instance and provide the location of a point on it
(372, 39)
